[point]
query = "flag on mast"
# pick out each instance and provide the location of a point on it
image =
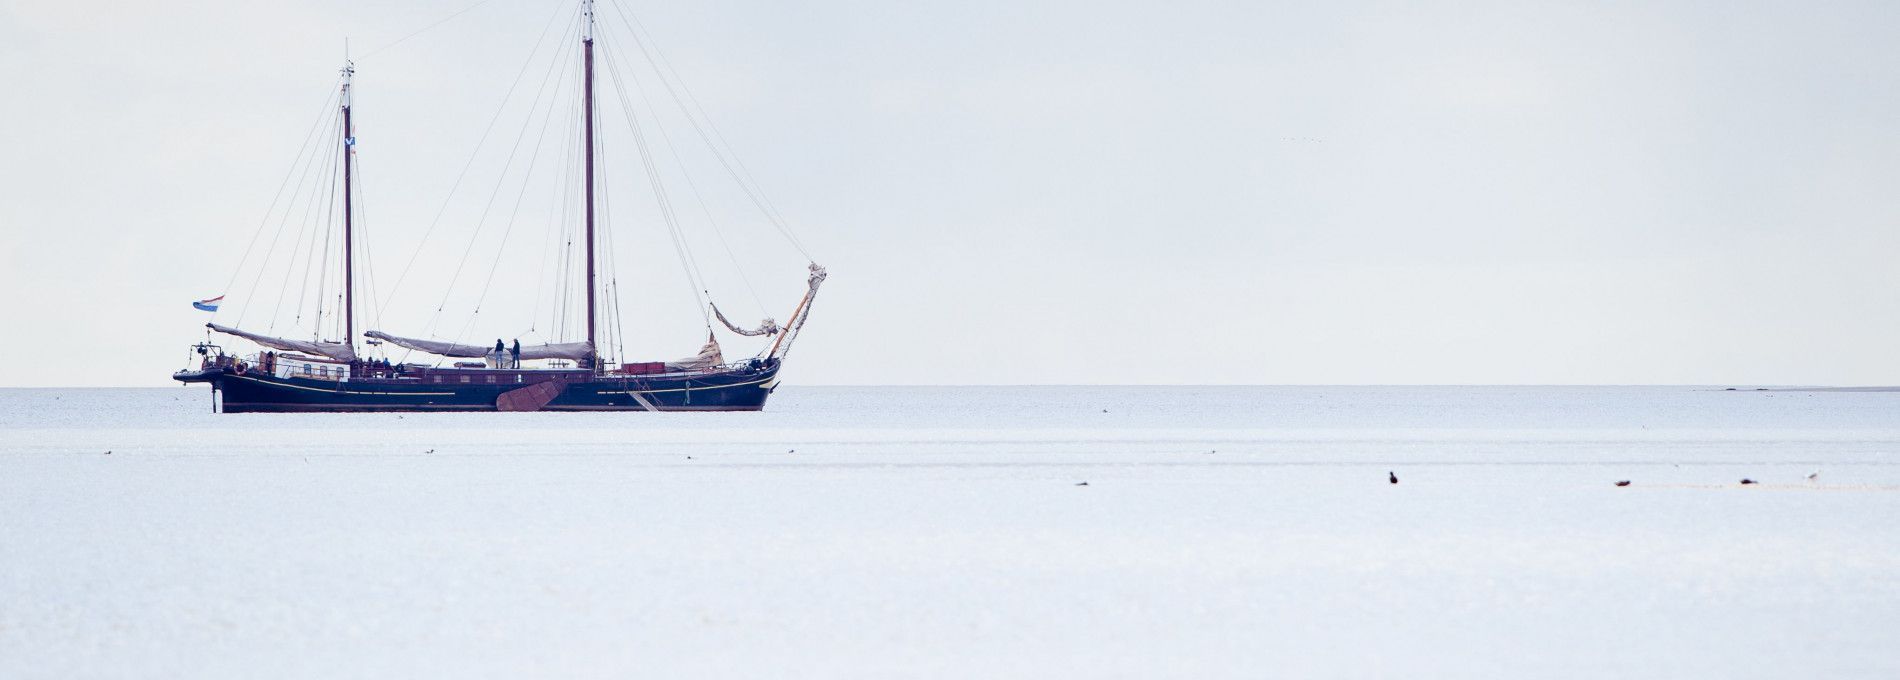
(210, 305)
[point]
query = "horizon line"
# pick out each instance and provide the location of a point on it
(1739, 385)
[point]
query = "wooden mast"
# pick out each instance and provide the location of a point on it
(587, 47)
(349, 250)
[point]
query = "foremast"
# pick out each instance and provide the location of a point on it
(345, 350)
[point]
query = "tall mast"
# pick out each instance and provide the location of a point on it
(587, 47)
(349, 250)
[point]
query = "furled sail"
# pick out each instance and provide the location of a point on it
(563, 350)
(708, 357)
(766, 327)
(334, 350)
(784, 344)
(574, 351)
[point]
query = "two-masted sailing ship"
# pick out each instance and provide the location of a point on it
(352, 373)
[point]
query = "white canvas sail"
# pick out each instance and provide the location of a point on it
(766, 327)
(708, 357)
(563, 350)
(333, 350)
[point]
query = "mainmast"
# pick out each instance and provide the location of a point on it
(349, 249)
(587, 47)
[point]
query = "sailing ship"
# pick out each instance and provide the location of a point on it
(313, 374)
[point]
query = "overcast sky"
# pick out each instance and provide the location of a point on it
(1033, 191)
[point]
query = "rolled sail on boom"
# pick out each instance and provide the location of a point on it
(334, 350)
(564, 350)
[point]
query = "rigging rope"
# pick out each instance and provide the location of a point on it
(424, 243)
(292, 170)
(690, 266)
(756, 194)
(327, 170)
(610, 272)
(557, 214)
(527, 177)
(329, 218)
(419, 31)
(361, 188)
(570, 229)
(284, 220)
(490, 204)
(698, 196)
(613, 334)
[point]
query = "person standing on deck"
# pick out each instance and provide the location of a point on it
(515, 354)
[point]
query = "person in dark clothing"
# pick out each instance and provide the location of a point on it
(515, 352)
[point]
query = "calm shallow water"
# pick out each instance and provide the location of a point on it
(940, 532)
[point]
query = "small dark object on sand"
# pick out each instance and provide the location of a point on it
(1746, 480)
(429, 451)
(1081, 483)
(1392, 477)
(791, 450)
(1623, 483)
(1104, 410)
(108, 452)
(1813, 475)
(1731, 389)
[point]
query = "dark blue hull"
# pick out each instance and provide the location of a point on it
(736, 389)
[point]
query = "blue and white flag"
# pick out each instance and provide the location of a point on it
(210, 305)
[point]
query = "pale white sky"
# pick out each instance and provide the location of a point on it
(1032, 191)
